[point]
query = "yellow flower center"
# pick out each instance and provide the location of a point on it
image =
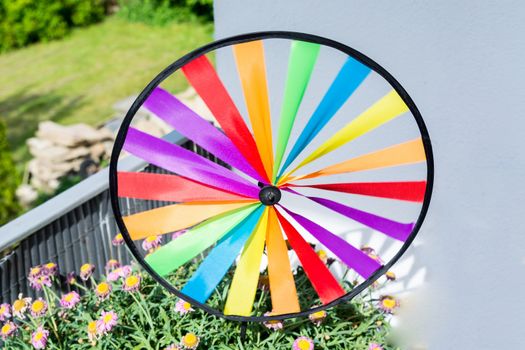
(190, 339)
(2, 309)
(321, 253)
(112, 262)
(150, 239)
(85, 268)
(108, 318)
(69, 297)
(18, 305)
(186, 305)
(319, 314)
(119, 236)
(389, 303)
(37, 306)
(38, 336)
(50, 265)
(132, 281)
(92, 327)
(103, 288)
(6, 328)
(303, 344)
(35, 270)
(390, 274)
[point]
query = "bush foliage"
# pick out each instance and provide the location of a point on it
(161, 12)
(23, 22)
(9, 207)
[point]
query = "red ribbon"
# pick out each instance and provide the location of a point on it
(203, 77)
(413, 191)
(171, 188)
(322, 279)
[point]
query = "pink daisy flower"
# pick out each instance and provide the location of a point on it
(388, 304)
(371, 253)
(177, 234)
(86, 271)
(131, 283)
(102, 290)
(151, 243)
(264, 282)
(50, 269)
(20, 306)
(92, 330)
(390, 276)
(38, 308)
(35, 271)
(118, 239)
(183, 307)
(7, 330)
(39, 338)
(303, 343)
(112, 264)
(322, 255)
(69, 300)
(173, 347)
(71, 278)
(318, 317)
(38, 282)
(119, 272)
(5, 311)
(375, 346)
(107, 321)
(190, 341)
(273, 324)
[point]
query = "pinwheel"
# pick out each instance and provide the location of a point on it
(340, 145)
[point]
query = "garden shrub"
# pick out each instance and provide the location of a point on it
(9, 207)
(162, 12)
(127, 309)
(23, 22)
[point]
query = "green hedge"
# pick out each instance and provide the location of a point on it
(23, 22)
(161, 12)
(9, 207)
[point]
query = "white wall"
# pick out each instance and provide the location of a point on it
(463, 62)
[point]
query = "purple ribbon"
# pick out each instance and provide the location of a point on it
(185, 163)
(168, 108)
(394, 229)
(351, 256)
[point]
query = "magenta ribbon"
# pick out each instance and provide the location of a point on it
(186, 163)
(351, 256)
(185, 121)
(394, 229)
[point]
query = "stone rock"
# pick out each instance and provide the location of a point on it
(71, 136)
(26, 194)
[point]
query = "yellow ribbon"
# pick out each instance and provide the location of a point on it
(244, 284)
(387, 108)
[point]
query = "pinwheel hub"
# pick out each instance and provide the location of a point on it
(270, 195)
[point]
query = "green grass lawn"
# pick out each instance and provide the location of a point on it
(79, 78)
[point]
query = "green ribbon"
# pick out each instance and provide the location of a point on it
(300, 65)
(179, 251)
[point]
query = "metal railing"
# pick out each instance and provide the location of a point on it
(71, 229)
